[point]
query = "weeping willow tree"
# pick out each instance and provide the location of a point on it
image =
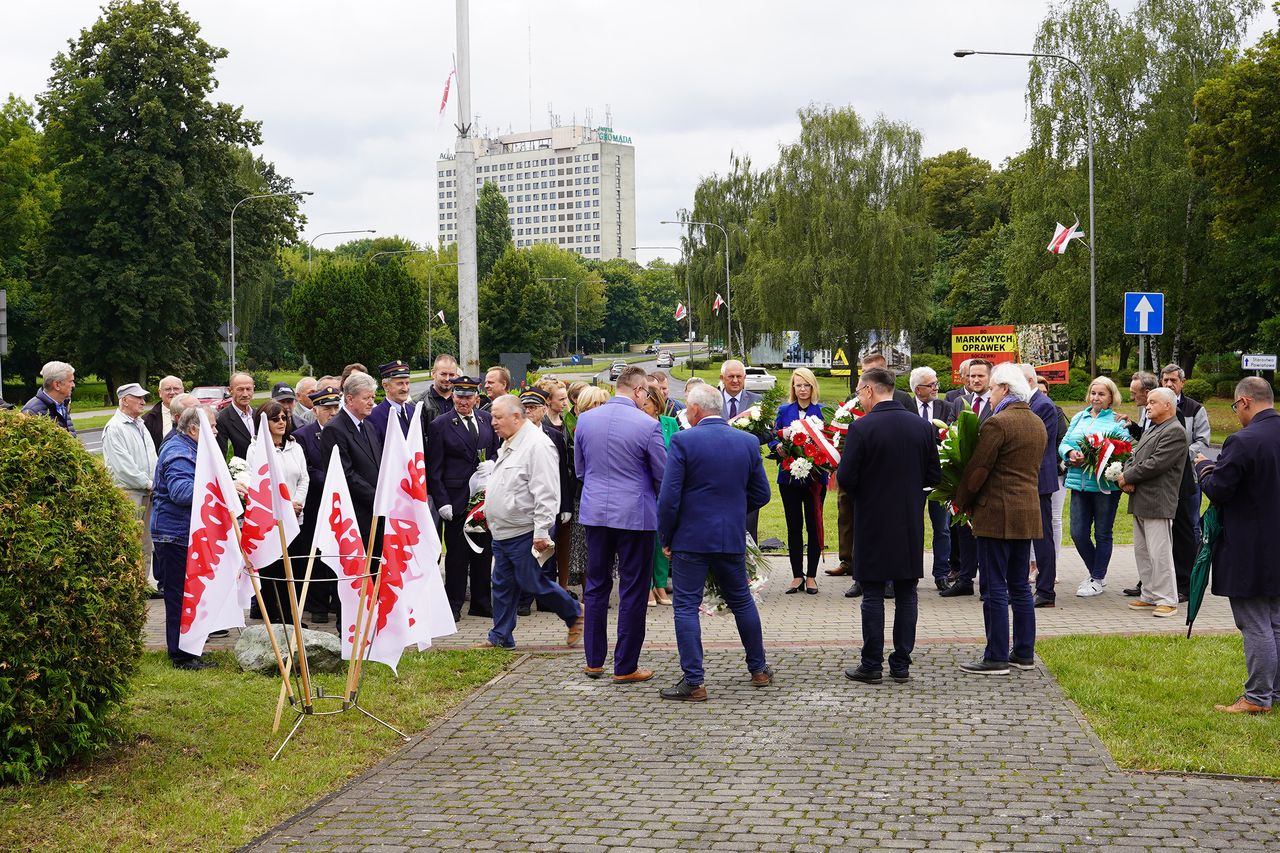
(840, 246)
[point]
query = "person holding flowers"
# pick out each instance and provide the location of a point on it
(802, 497)
(1094, 499)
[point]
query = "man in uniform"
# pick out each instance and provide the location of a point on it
(396, 405)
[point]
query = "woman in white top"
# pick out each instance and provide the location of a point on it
(292, 463)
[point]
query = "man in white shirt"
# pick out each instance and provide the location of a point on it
(979, 388)
(130, 456)
(522, 498)
(236, 424)
(159, 420)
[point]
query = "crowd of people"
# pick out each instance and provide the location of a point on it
(591, 488)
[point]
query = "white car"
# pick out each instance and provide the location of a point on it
(759, 380)
(666, 359)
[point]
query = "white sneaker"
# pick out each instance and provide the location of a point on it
(1090, 588)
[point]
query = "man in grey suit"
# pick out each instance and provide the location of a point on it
(1152, 478)
(733, 379)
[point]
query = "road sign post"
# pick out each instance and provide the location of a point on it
(1143, 316)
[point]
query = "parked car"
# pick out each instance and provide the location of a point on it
(759, 379)
(615, 369)
(212, 395)
(666, 359)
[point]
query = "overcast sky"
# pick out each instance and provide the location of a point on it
(348, 92)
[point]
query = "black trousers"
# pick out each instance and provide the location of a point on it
(1185, 541)
(802, 520)
(171, 571)
(461, 565)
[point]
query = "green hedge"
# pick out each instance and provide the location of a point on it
(72, 598)
(1198, 390)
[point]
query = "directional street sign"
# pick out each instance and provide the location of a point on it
(1144, 313)
(1259, 362)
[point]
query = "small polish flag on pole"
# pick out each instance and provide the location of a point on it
(1064, 235)
(440, 314)
(680, 311)
(715, 306)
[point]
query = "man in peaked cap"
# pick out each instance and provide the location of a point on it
(396, 406)
(325, 400)
(458, 442)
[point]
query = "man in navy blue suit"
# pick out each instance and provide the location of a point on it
(1045, 548)
(396, 406)
(457, 443)
(713, 478)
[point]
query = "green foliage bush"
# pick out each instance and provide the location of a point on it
(1198, 390)
(941, 364)
(1225, 388)
(1077, 375)
(1072, 391)
(261, 380)
(72, 598)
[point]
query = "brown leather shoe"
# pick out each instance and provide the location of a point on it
(575, 633)
(1242, 706)
(840, 570)
(763, 678)
(482, 645)
(634, 677)
(594, 671)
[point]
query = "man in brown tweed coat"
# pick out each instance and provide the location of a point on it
(999, 491)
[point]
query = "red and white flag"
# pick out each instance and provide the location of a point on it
(440, 314)
(680, 311)
(214, 561)
(268, 499)
(337, 541)
(444, 99)
(715, 306)
(1063, 235)
(412, 605)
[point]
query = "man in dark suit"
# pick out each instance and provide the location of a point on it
(159, 420)
(1245, 486)
(890, 458)
(236, 423)
(1186, 524)
(458, 442)
(979, 394)
(359, 447)
(999, 489)
(930, 407)
(1046, 550)
(873, 359)
(321, 596)
(736, 400)
(963, 388)
(396, 405)
(713, 477)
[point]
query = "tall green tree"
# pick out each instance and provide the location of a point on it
(391, 321)
(842, 246)
(149, 170)
(551, 262)
(625, 321)
(515, 309)
(493, 228)
(28, 199)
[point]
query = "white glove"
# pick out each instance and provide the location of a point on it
(485, 468)
(565, 516)
(446, 512)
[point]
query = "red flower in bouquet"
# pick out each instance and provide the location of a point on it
(1104, 456)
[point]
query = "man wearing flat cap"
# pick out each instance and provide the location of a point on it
(534, 402)
(457, 443)
(396, 407)
(324, 400)
(130, 455)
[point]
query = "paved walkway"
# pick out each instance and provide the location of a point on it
(830, 619)
(545, 759)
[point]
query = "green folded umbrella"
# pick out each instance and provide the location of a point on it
(1210, 530)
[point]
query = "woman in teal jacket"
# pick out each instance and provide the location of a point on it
(1091, 507)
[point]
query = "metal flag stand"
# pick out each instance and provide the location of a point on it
(363, 640)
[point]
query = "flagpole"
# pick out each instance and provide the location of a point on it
(368, 622)
(301, 654)
(262, 605)
(302, 603)
(351, 664)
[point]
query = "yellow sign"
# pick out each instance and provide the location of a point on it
(840, 363)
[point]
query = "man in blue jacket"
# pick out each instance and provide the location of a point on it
(1046, 551)
(1244, 484)
(713, 478)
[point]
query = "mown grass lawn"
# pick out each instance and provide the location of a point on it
(1151, 701)
(194, 771)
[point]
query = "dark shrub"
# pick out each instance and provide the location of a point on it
(1225, 388)
(1198, 390)
(1072, 391)
(72, 598)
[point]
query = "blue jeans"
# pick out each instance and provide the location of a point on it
(940, 518)
(688, 580)
(171, 571)
(1094, 510)
(905, 610)
(514, 570)
(1004, 568)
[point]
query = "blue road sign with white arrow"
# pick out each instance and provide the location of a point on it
(1144, 313)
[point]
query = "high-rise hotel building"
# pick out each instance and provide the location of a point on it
(572, 186)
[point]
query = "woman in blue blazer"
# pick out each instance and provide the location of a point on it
(800, 503)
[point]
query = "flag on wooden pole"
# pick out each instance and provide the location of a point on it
(268, 499)
(214, 560)
(1063, 235)
(715, 306)
(337, 541)
(680, 311)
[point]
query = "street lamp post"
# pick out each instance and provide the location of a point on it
(231, 330)
(312, 241)
(728, 293)
(1093, 237)
(688, 296)
(575, 306)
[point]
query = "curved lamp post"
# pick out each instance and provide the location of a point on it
(312, 241)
